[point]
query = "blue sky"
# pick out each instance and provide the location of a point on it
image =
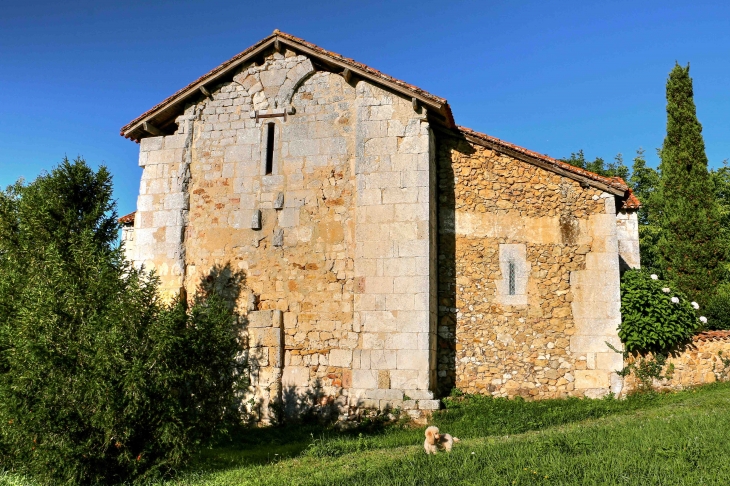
(554, 77)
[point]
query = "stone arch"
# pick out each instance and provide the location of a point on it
(272, 84)
(286, 96)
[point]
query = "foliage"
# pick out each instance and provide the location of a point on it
(599, 166)
(100, 381)
(690, 250)
(644, 181)
(647, 369)
(650, 320)
(717, 309)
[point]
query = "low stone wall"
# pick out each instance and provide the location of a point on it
(705, 360)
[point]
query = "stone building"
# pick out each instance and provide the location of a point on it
(389, 254)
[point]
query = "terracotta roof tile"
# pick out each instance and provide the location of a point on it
(631, 201)
(127, 218)
(171, 98)
(362, 67)
(712, 336)
(615, 182)
(124, 131)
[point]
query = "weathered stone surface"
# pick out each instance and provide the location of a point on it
(592, 379)
(256, 220)
(492, 209)
(702, 361)
(362, 217)
(429, 404)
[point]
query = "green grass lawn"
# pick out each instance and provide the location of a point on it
(678, 438)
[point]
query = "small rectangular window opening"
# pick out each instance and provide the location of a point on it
(270, 149)
(511, 278)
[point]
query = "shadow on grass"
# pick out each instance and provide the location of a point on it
(467, 417)
(255, 446)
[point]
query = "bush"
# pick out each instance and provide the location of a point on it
(718, 309)
(654, 318)
(100, 381)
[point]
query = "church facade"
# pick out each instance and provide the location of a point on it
(389, 254)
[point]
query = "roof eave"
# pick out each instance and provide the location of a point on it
(583, 176)
(134, 130)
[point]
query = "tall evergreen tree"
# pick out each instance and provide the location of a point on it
(690, 249)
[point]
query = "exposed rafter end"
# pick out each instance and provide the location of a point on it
(414, 102)
(347, 74)
(205, 92)
(152, 130)
(277, 45)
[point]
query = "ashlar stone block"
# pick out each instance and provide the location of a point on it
(364, 378)
(278, 239)
(340, 357)
(592, 379)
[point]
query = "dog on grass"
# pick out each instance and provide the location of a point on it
(438, 442)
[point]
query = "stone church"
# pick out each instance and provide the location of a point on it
(389, 254)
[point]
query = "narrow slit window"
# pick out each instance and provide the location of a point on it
(511, 278)
(270, 149)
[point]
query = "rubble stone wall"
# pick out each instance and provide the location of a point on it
(705, 360)
(551, 343)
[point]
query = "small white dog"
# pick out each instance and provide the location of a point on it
(435, 441)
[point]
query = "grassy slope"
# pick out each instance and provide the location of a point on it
(667, 439)
(651, 439)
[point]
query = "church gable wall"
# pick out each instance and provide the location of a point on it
(290, 232)
(357, 303)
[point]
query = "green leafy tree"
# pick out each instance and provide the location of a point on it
(690, 250)
(617, 168)
(100, 382)
(718, 308)
(644, 181)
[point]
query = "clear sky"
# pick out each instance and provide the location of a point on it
(552, 76)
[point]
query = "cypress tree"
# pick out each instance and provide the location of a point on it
(690, 249)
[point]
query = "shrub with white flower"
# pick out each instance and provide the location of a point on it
(695, 305)
(703, 319)
(654, 317)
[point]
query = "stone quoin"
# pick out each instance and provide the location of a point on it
(389, 254)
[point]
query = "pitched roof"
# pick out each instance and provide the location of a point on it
(127, 218)
(614, 185)
(164, 112)
(631, 201)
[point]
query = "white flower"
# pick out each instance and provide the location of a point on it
(665, 290)
(695, 305)
(675, 300)
(654, 276)
(703, 319)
